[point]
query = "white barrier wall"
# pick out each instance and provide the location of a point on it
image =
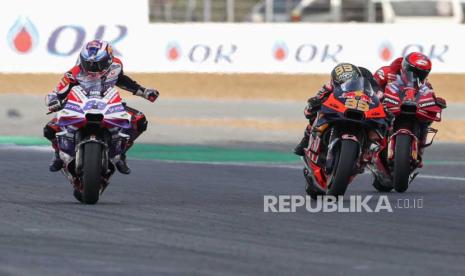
(291, 48)
(34, 41)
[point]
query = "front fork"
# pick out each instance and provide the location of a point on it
(107, 167)
(320, 167)
(79, 152)
(383, 170)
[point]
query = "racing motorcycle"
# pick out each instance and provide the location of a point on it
(91, 139)
(413, 108)
(351, 120)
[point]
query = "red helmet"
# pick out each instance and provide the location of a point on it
(415, 67)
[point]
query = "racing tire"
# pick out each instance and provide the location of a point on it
(310, 188)
(380, 187)
(344, 169)
(402, 161)
(91, 172)
(77, 195)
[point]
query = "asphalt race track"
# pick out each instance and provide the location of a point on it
(205, 219)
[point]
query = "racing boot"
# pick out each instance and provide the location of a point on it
(300, 148)
(122, 166)
(57, 163)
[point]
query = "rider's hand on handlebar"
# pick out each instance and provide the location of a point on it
(55, 105)
(441, 102)
(149, 94)
(314, 103)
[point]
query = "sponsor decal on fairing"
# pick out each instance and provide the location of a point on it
(115, 109)
(427, 104)
(73, 107)
(389, 100)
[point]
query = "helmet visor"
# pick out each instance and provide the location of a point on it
(415, 74)
(92, 66)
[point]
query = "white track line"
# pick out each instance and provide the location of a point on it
(438, 177)
(26, 148)
(300, 167)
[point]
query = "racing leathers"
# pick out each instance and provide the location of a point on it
(113, 76)
(397, 86)
(389, 73)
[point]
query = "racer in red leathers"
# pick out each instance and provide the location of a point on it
(341, 73)
(412, 70)
(389, 73)
(97, 69)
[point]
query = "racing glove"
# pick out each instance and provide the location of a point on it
(147, 93)
(325, 91)
(53, 102)
(441, 102)
(314, 103)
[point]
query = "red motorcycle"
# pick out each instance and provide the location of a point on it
(414, 107)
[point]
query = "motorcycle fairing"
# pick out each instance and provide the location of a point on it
(81, 106)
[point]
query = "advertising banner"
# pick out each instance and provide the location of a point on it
(295, 48)
(47, 35)
(30, 44)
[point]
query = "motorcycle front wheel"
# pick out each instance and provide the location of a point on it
(344, 169)
(402, 161)
(91, 172)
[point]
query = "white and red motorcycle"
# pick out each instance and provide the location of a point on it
(91, 139)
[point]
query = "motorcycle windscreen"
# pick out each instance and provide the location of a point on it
(358, 89)
(358, 84)
(354, 84)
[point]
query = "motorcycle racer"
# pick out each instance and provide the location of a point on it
(97, 70)
(390, 73)
(341, 73)
(413, 72)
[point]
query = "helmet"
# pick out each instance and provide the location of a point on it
(415, 67)
(96, 57)
(344, 72)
